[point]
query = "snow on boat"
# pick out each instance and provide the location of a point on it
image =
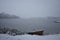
(57, 21)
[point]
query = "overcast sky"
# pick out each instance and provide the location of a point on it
(31, 8)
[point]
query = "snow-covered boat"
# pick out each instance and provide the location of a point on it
(57, 21)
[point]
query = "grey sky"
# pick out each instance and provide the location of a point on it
(31, 8)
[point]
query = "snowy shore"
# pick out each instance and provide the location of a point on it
(29, 37)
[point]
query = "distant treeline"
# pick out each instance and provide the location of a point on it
(4, 15)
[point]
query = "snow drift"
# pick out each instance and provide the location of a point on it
(29, 37)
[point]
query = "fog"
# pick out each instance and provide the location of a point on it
(31, 8)
(41, 14)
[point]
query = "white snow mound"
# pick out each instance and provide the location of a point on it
(29, 37)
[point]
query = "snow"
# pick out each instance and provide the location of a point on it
(29, 37)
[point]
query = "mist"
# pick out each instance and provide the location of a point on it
(31, 8)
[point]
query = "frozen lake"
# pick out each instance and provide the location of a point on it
(26, 25)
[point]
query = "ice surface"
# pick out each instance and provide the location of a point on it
(29, 37)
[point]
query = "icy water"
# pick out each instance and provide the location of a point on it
(26, 25)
